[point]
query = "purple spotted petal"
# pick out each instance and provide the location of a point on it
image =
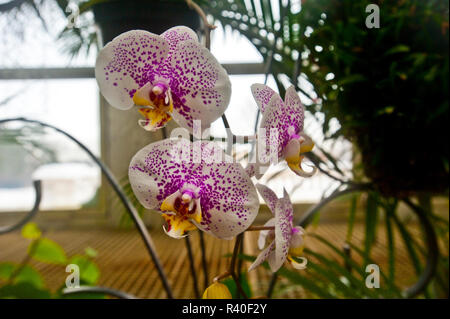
(228, 199)
(177, 34)
(268, 195)
(154, 175)
(295, 107)
(264, 233)
(263, 256)
(251, 169)
(262, 95)
(200, 86)
(275, 118)
(123, 64)
(286, 119)
(284, 214)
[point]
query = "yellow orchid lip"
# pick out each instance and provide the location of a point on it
(306, 147)
(296, 251)
(296, 264)
(294, 161)
(182, 210)
(157, 105)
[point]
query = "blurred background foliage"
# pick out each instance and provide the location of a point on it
(387, 88)
(21, 280)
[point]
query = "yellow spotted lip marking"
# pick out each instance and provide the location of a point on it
(158, 105)
(183, 208)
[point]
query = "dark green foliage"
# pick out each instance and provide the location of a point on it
(23, 281)
(229, 282)
(388, 87)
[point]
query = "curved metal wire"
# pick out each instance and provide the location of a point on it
(430, 237)
(37, 201)
(126, 202)
(433, 252)
(101, 290)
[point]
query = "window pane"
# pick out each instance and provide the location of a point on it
(69, 178)
(28, 43)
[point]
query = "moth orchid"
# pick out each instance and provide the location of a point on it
(215, 196)
(287, 241)
(286, 118)
(167, 75)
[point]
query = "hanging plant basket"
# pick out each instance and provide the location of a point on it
(116, 17)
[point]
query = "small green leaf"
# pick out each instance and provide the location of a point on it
(6, 269)
(351, 217)
(48, 251)
(90, 252)
(397, 49)
(31, 231)
(31, 276)
(233, 289)
(352, 79)
(23, 290)
(89, 272)
(371, 224)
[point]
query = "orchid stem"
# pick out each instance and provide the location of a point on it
(204, 264)
(259, 228)
(222, 276)
(206, 25)
(239, 264)
(192, 265)
(232, 270)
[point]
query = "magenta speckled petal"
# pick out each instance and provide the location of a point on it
(250, 169)
(123, 64)
(264, 233)
(262, 95)
(263, 256)
(178, 34)
(294, 107)
(153, 176)
(268, 195)
(228, 199)
(284, 214)
(276, 118)
(200, 85)
(284, 118)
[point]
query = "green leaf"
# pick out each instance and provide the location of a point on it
(31, 231)
(229, 282)
(351, 217)
(332, 278)
(401, 48)
(298, 278)
(48, 251)
(371, 224)
(26, 274)
(91, 252)
(352, 79)
(29, 275)
(295, 278)
(409, 244)
(391, 247)
(23, 290)
(6, 269)
(89, 272)
(357, 283)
